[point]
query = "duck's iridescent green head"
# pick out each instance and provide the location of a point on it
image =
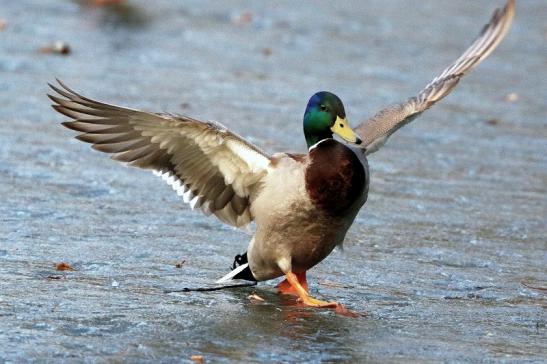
(325, 116)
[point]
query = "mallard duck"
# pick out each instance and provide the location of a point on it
(303, 204)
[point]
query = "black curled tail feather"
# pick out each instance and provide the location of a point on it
(246, 273)
(240, 259)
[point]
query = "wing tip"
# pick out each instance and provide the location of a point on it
(491, 35)
(72, 125)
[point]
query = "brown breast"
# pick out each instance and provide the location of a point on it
(335, 177)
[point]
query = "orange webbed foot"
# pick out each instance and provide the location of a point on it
(313, 302)
(296, 284)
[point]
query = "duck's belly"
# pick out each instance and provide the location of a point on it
(303, 242)
(290, 228)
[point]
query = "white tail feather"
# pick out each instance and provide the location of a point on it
(232, 274)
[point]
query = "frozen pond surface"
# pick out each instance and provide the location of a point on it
(454, 228)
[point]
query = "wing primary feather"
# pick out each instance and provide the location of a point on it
(118, 147)
(111, 138)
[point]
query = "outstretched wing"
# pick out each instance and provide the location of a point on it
(209, 166)
(375, 131)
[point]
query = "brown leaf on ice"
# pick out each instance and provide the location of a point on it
(255, 297)
(198, 358)
(58, 47)
(244, 18)
(63, 266)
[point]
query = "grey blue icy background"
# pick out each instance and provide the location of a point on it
(454, 228)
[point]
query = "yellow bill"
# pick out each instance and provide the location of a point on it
(342, 129)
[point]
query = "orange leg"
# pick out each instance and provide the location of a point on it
(296, 284)
(286, 288)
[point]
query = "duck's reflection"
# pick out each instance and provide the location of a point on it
(114, 13)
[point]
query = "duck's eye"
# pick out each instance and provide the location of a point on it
(323, 107)
(341, 125)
